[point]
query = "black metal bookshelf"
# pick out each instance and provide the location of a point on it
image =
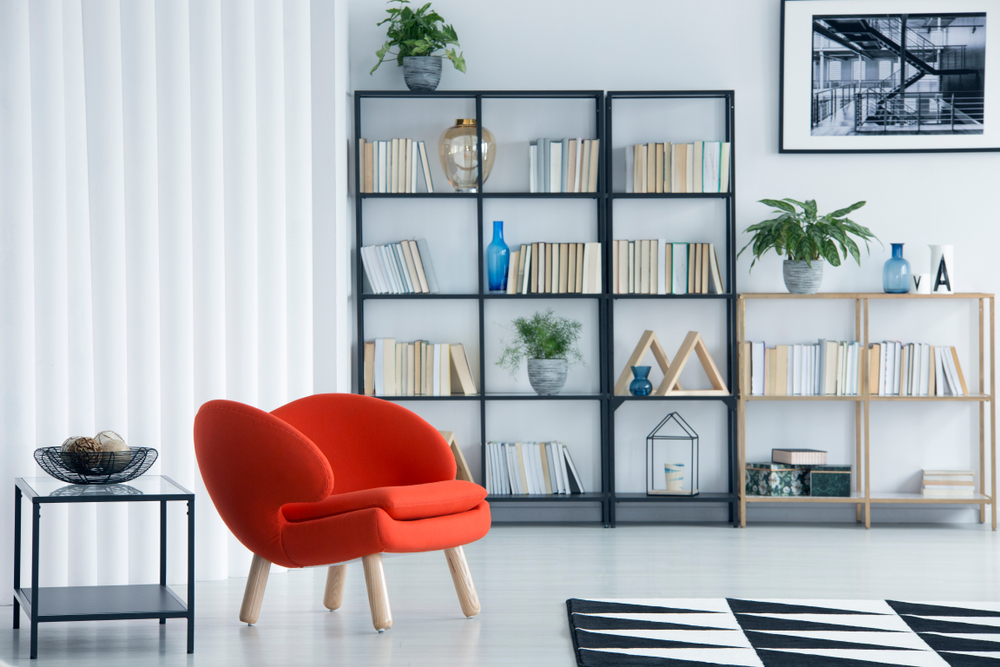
(606, 498)
(730, 498)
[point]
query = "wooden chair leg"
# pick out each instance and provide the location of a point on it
(462, 579)
(333, 597)
(378, 596)
(254, 594)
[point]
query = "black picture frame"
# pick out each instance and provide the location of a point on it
(794, 141)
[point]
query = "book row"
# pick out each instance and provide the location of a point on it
(915, 369)
(563, 165)
(702, 166)
(416, 369)
(948, 484)
(827, 368)
(399, 268)
(657, 266)
(529, 468)
(393, 166)
(555, 268)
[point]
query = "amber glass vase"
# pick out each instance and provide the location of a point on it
(460, 158)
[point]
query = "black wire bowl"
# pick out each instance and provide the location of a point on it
(95, 467)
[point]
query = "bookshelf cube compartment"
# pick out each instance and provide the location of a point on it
(500, 313)
(517, 122)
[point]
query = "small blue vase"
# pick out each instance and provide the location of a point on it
(640, 386)
(896, 272)
(497, 259)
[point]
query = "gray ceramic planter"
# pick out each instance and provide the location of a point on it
(422, 73)
(800, 278)
(547, 376)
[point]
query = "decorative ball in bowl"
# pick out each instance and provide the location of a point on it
(103, 459)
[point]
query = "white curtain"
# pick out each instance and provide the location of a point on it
(174, 229)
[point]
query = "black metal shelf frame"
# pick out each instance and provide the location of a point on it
(603, 198)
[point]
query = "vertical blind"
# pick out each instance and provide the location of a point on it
(158, 163)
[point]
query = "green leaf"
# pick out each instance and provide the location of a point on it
(844, 211)
(778, 204)
(457, 60)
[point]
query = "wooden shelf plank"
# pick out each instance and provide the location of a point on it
(861, 295)
(853, 499)
(920, 499)
(968, 398)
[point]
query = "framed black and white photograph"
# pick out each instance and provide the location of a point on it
(881, 76)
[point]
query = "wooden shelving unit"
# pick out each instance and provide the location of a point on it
(862, 497)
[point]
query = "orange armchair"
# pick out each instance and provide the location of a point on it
(334, 477)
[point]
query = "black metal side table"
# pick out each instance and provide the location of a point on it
(98, 603)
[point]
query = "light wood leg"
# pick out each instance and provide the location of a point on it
(254, 594)
(462, 579)
(333, 597)
(378, 596)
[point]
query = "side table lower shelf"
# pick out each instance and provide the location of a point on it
(103, 603)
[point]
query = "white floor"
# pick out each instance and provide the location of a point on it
(524, 575)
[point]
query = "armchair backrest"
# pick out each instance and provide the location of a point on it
(252, 464)
(370, 442)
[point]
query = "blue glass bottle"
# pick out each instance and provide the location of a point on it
(640, 386)
(497, 259)
(896, 272)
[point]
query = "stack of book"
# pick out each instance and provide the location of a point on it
(828, 368)
(656, 266)
(949, 484)
(555, 268)
(416, 369)
(399, 268)
(915, 369)
(523, 468)
(393, 166)
(699, 167)
(799, 457)
(563, 165)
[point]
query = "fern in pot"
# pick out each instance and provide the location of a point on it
(417, 35)
(807, 239)
(548, 343)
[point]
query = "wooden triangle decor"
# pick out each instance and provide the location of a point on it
(672, 372)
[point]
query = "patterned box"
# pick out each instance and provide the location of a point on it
(777, 479)
(830, 481)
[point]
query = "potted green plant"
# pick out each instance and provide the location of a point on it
(417, 37)
(806, 239)
(548, 343)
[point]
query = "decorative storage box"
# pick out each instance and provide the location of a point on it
(830, 481)
(777, 479)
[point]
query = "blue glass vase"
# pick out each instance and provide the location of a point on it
(497, 259)
(896, 272)
(640, 386)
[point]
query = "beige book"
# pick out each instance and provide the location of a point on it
(770, 364)
(571, 167)
(595, 161)
(444, 378)
(411, 361)
(680, 168)
(429, 367)
(399, 369)
(724, 168)
(654, 261)
(584, 164)
(636, 168)
(745, 369)
(369, 167)
(404, 374)
(461, 372)
(408, 169)
(705, 263)
(534, 268)
(418, 265)
(394, 166)
(548, 268)
(614, 267)
(571, 268)
(689, 174)
(781, 370)
(643, 267)
(668, 268)
(521, 260)
(623, 267)
(832, 350)
(512, 272)
(716, 271)
(563, 266)
(369, 369)
(586, 272)
(874, 361)
(699, 147)
(667, 153)
(594, 269)
(658, 181)
(640, 175)
(545, 469)
(389, 366)
(418, 369)
(362, 165)
(411, 268)
(631, 267)
(692, 287)
(932, 379)
(579, 268)
(651, 168)
(521, 471)
(958, 371)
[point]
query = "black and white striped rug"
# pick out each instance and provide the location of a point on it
(783, 633)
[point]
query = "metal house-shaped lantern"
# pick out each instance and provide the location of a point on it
(672, 458)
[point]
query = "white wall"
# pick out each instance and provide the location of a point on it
(734, 44)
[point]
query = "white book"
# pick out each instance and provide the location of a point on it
(710, 166)
(379, 369)
(529, 478)
(952, 373)
(541, 268)
(387, 268)
(557, 467)
(852, 381)
(436, 387)
(586, 268)
(661, 266)
(897, 364)
(555, 166)
(533, 168)
(572, 471)
(808, 382)
(531, 461)
(382, 269)
(397, 249)
(757, 368)
(413, 147)
(630, 168)
(680, 268)
(789, 371)
(578, 185)
(556, 268)
(526, 281)
(381, 166)
(425, 168)
(370, 270)
(512, 477)
(797, 368)
(690, 168)
(489, 468)
(940, 382)
(540, 472)
(925, 369)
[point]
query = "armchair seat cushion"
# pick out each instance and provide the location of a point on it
(402, 503)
